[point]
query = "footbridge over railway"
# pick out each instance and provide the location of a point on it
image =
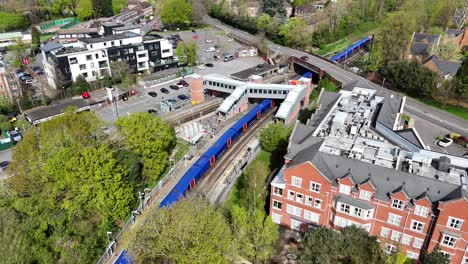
(293, 96)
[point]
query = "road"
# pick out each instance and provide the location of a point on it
(428, 113)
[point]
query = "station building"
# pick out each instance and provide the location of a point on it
(354, 164)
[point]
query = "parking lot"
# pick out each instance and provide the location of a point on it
(429, 133)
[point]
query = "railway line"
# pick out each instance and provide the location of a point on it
(214, 174)
(196, 111)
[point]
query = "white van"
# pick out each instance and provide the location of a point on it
(228, 58)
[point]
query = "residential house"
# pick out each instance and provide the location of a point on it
(460, 35)
(422, 45)
(444, 69)
(305, 11)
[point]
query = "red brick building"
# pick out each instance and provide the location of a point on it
(324, 184)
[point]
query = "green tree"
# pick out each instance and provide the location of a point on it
(69, 188)
(11, 21)
(84, 9)
(64, 7)
(435, 257)
(274, 8)
(274, 137)
(252, 192)
(255, 234)
(448, 49)
(176, 12)
(19, 51)
(36, 40)
(6, 105)
(80, 85)
(149, 137)
(5, 124)
(263, 22)
(119, 5)
(399, 258)
(102, 8)
(461, 81)
(294, 32)
(410, 77)
(169, 235)
(187, 52)
(351, 245)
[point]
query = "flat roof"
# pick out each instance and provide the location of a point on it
(11, 35)
(123, 35)
(257, 70)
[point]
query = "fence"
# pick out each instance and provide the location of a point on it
(145, 204)
(57, 23)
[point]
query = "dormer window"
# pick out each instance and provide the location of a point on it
(398, 204)
(345, 189)
(365, 195)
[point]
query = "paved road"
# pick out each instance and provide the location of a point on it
(428, 113)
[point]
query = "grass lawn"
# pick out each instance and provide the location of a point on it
(365, 29)
(233, 196)
(455, 110)
(45, 37)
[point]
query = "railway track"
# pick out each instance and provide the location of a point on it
(195, 112)
(214, 174)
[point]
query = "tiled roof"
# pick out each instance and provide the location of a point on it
(389, 110)
(411, 136)
(444, 67)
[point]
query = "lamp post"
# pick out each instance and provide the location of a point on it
(108, 233)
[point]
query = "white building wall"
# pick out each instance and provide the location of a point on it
(87, 64)
(166, 48)
(112, 43)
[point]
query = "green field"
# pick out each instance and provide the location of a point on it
(365, 29)
(45, 37)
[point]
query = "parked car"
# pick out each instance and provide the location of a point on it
(211, 49)
(15, 135)
(445, 142)
(201, 67)
(182, 97)
(85, 95)
(228, 57)
(30, 81)
(209, 41)
(304, 58)
(209, 65)
(152, 111)
(37, 70)
(152, 94)
(230, 39)
(174, 87)
(164, 90)
(19, 73)
(171, 101)
(4, 165)
(183, 83)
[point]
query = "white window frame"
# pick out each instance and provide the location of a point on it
(421, 210)
(393, 217)
(276, 207)
(345, 189)
(276, 192)
(406, 239)
(299, 200)
(418, 243)
(296, 181)
(315, 187)
(318, 203)
(398, 204)
(365, 195)
(395, 236)
(309, 200)
(412, 255)
(389, 248)
(454, 223)
(311, 216)
(358, 212)
(291, 195)
(448, 241)
(294, 210)
(385, 232)
(465, 260)
(345, 208)
(417, 226)
(276, 218)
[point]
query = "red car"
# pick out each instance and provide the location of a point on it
(305, 58)
(85, 95)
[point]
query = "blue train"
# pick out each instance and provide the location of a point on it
(208, 159)
(351, 49)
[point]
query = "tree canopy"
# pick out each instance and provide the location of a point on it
(68, 190)
(80, 85)
(10, 21)
(190, 231)
(85, 10)
(252, 192)
(274, 8)
(151, 138)
(255, 234)
(274, 137)
(435, 257)
(176, 12)
(187, 52)
(351, 245)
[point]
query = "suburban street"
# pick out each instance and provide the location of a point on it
(429, 113)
